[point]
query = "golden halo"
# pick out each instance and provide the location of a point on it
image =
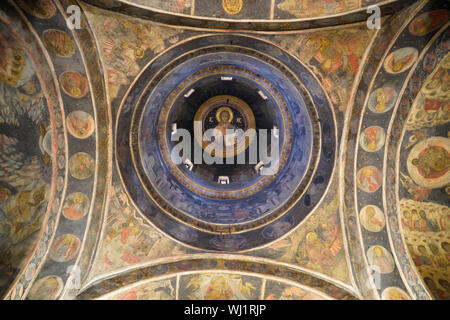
(226, 109)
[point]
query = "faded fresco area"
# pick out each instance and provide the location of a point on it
(155, 290)
(25, 155)
(308, 8)
(257, 9)
(317, 244)
(220, 287)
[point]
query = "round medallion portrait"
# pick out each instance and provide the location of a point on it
(80, 124)
(64, 248)
(394, 293)
(47, 288)
(81, 166)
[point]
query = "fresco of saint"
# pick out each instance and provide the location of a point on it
(381, 258)
(432, 162)
(76, 206)
(372, 218)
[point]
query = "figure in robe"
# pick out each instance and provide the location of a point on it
(232, 6)
(66, 248)
(396, 295)
(381, 261)
(384, 97)
(80, 125)
(423, 258)
(372, 219)
(371, 138)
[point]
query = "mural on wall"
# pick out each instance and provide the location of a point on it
(25, 155)
(219, 286)
(153, 290)
(124, 42)
(128, 240)
(30, 156)
(314, 8)
(213, 286)
(172, 6)
(335, 56)
(47, 288)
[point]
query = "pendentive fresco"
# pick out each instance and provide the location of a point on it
(124, 174)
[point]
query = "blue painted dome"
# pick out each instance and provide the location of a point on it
(260, 87)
